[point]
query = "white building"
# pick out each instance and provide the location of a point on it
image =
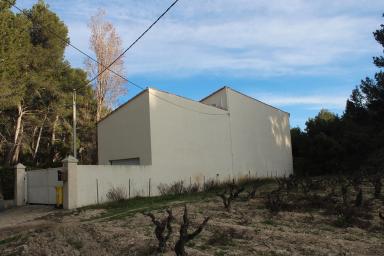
(227, 133)
(158, 138)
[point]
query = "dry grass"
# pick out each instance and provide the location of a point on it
(247, 229)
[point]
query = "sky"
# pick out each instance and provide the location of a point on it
(298, 55)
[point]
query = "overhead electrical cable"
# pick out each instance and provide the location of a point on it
(134, 42)
(65, 40)
(109, 66)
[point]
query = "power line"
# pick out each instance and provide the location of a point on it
(134, 42)
(108, 67)
(64, 40)
(175, 104)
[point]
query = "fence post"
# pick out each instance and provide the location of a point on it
(70, 182)
(129, 188)
(203, 183)
(149, 188)
(97, 190)
(20, 188)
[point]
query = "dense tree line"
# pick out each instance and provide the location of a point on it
(36, 86)
(351, 142)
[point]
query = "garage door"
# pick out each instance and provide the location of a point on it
(41, 186)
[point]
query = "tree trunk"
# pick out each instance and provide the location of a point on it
(99, 99)
(38, 140)
(18, 122)
(13, 155)
(33, 137)
(16, 154)
(53, 137)
(98, 112)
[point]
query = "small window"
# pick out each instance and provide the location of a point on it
(128, 161)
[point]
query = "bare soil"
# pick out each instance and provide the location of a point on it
(248, 229)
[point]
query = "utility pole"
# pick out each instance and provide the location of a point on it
(74, 124)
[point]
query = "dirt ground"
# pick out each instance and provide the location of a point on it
(248, 229)
(16, 216)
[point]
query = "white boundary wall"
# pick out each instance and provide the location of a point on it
(89, 184)
(94, 181)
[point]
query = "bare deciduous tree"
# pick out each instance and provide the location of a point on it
(163, 229)
(185, 237)
(227, 197)
(106, 44)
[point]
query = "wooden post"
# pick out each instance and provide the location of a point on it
(97, 190)
(149, 188)
(129, 188)
(203, 183)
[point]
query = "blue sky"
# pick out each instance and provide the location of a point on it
(297, 55)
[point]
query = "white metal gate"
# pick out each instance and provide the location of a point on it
(41, 186)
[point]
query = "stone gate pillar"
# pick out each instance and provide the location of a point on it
(70, 182)
(20, 189)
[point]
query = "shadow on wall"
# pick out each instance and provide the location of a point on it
(280, 131)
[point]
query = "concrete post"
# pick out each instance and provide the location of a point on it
(20, 189)
(70, 182)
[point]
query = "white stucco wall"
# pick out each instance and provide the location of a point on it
(190, 141)
(261, 140)
(189, 137)
(181, 139)
(126, 132)
(179, 134)
(218, 99)
(94, 181)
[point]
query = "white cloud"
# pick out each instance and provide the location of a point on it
(243, 37)
(310, 101)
